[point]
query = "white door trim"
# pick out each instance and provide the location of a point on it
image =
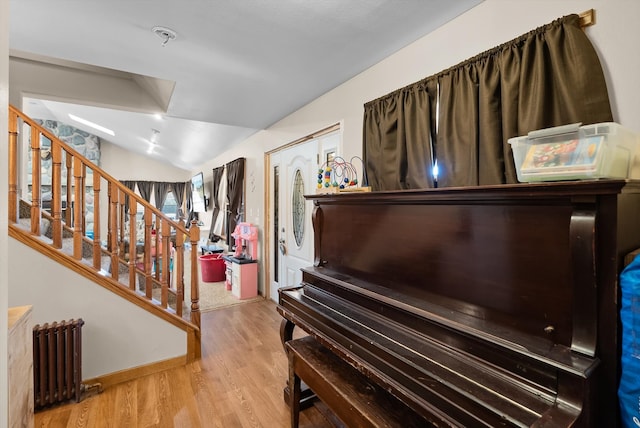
(268, 208)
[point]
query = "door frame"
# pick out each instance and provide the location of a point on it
(268, 232)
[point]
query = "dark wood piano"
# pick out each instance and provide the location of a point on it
(487, 306)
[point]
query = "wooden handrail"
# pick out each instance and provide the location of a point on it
(75, 154)
(154, 272)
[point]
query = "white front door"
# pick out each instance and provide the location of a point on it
(294, 174)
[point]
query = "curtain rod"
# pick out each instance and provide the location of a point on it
(587, 18)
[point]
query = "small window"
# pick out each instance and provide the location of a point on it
(170, 207)
(331, 156)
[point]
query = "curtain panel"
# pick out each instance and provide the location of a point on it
(397, 136)
(131, 185)
(178, 190)
(191, 214)
(235, 190)
(145, 188)
(217, 179)
(548, 77)
(160, 191)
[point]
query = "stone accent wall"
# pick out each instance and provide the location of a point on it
(88, 145)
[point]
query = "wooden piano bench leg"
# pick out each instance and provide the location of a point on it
(306, 395)
(294, 393)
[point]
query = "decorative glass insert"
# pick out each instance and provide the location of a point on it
(276, 222)
(297, 207)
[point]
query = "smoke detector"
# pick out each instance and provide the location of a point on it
(166, 34)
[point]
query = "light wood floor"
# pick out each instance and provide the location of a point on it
(237, 383)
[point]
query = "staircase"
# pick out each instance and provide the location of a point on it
(79, 190)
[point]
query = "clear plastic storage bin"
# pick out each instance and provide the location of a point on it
(574, 152)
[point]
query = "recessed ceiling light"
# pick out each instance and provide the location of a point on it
(92, 125)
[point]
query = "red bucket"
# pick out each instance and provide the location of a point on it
(212, 267)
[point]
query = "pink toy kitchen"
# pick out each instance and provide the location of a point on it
(242, 265)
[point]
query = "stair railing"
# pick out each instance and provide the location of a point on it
(76, 195)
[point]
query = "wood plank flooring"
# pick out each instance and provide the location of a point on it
(237, 383)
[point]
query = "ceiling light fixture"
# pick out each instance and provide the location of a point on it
(154, 136)
(166, 34)
(92, 125)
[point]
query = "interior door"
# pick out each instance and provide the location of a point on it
(293, 175)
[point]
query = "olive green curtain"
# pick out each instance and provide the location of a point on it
(235, 196)
(217, 178)
(178, 189)
(397, 139)
(548, 77)
(131, 185)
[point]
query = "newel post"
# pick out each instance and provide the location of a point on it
(194, 237)
(13, 167)
(194, 343)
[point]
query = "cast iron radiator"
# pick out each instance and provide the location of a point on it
(57, 367)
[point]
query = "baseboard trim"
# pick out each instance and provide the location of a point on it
(126, 375)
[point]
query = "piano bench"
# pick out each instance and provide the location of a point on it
(353, 398)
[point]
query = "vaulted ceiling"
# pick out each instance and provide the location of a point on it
(233, 67)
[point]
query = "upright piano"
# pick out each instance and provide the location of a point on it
(477, 307)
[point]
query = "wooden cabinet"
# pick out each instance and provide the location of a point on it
(20, 365)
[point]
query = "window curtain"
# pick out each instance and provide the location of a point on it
(217, 179)
(160, 190)
(548, 77)
(235, 190)
(178, 192)
(191, 214)
(397, 138)
(131, 185)
(221, 221)
(145, 188)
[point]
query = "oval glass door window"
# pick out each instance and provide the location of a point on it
(297, 207)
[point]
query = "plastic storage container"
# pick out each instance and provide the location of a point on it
(212, 267)
(574, 152)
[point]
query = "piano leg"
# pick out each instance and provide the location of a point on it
(286, 331)
(306, 396)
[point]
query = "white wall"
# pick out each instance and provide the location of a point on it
(615, 37)
(116, 335)
(4, 189)
(122, 164)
